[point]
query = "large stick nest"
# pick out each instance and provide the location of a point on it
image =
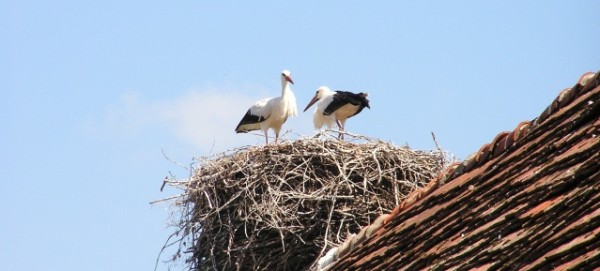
(279, 207)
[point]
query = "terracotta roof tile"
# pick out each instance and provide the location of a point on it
(529, 200)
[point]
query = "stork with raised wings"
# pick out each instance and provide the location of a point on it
(271, 113)
(337, 107)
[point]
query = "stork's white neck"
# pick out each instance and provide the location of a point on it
(285, 87)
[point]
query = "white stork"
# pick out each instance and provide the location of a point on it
(271, 112)
(336, 107)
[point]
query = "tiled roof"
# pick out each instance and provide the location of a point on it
(529, 200)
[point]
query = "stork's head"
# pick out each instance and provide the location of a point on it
(318, 96)
(286, 76)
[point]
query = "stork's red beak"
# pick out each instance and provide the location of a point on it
(289, 79)
(313, 101)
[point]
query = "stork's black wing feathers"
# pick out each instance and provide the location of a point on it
(249, 118)
(341, 98)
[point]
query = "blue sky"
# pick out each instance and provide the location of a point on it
(92, 91)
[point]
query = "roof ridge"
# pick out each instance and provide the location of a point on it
(503, 142)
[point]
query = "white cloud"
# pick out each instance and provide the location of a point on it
(204, 117)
